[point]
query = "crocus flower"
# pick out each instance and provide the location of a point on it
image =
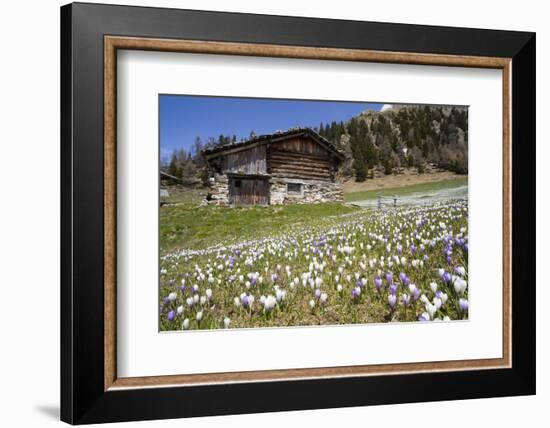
(463, 304)
(389, 277)
(392, 299)
(312, 304)
(431, 309)
(226, 322)
(378, 282)
(323, 298)
(185, 324)
(393, 289)
(446, 277)
(355, 292)
(405, 299)
(199, 315)
(269, 303)
(460, 286)
(424, 317)
(180, 310)
(171, 315)
(172, 297)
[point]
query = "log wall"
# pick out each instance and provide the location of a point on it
(250, 161)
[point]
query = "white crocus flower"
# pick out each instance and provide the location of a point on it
(180, 310)
(433, 286)
(199, 315)
(269, 303)
(185, 324)
(172, 296)
(431, 309)
(226, 322)
(323, 298)
(460, 286)
(312, 304)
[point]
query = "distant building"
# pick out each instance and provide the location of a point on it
(296, 166)
(168, 180)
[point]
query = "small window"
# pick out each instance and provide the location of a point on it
(294, 188)
(237, 183)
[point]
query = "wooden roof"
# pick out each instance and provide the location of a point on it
(269, 138)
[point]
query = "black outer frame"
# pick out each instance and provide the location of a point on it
(83, 399)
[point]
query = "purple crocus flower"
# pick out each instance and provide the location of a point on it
(423, 318)
(413, 248)
(393, 289)
(463, 304)
(378, 282)
(405, 298)
(317, 293)
(446, 277)
(399, 249)
(466, 247)
(274, 277)
(402, 277)
(171, 315)
(359, 283)
(245, 301)
(392, 300)
(389, 277)
(355, 292)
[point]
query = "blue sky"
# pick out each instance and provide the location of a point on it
(184, 117)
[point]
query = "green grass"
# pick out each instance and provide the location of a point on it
(405, 190)
(193, 227)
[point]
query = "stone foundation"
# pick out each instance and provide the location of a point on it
(312, 192)
(219, 190)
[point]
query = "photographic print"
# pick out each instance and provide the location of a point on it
(282, 213)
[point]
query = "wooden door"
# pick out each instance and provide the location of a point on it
(248, 191)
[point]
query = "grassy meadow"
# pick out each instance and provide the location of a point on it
(317, 264)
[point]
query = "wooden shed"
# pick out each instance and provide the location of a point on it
(295, 166)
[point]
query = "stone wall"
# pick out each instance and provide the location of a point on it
(313, 191)
(219, 190)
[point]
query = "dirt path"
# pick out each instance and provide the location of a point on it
(409, 177)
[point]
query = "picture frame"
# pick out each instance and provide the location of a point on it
(91, 391)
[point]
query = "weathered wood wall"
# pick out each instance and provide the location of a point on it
(251, 191)
(300, 158)
(249, 161)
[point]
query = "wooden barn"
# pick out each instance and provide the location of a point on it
(296, 166)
